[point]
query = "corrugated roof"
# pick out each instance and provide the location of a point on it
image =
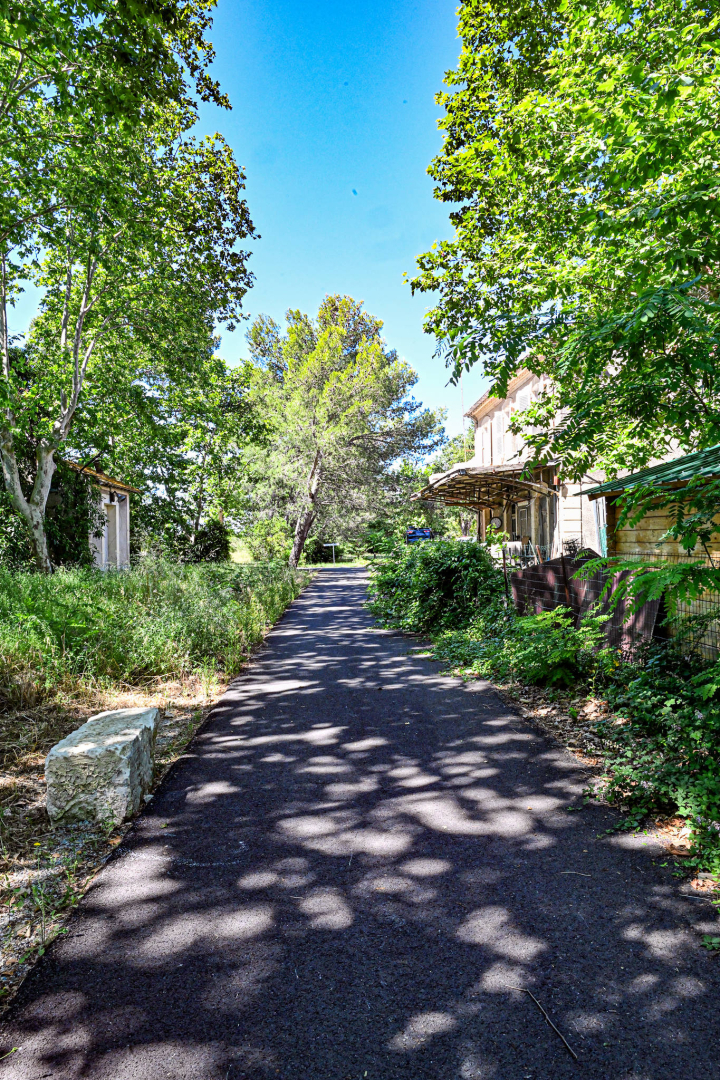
(704, 463)
(471, 484)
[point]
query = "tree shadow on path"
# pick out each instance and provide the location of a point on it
(345, 876)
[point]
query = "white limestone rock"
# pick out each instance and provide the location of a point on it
(103, 770)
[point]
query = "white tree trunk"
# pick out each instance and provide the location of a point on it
(31, 510)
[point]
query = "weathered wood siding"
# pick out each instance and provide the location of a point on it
(643, 543)
(643, 540)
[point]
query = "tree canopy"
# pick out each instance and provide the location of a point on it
(581, 146)
(336, 407)
(131, 226)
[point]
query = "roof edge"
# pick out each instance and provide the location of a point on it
(100, 478)
(676, 471)
(480, 407)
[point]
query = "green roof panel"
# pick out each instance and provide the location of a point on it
(703, 463)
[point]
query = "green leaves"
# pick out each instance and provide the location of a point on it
(663, 756)
(82, 626)
(546, 649)
(337, 411)
(131, 227)
(581, 146)
(433, 586)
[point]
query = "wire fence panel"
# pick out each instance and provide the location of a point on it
(546, 586)
(703, 611)
(551, 584)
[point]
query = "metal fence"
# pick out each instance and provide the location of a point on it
(544, 586)
(698, 619)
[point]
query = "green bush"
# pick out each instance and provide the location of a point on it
(316, 552)
(542, 650)
(159, 619)
(269, 539)
(434, 585)
(662, 738)
(211, 543)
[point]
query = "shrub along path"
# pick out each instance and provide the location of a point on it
(345, 877)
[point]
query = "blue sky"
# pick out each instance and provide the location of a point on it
(334, 121)
(332, 97)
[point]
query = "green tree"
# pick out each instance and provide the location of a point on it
(182, 445)
(580, 140)
(139, 259)
(336, 408)
(398, 512)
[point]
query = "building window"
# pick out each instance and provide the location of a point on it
(498, 438)
(520, 520)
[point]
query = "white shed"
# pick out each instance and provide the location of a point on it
(111, 551)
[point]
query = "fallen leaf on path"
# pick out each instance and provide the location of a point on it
(701, 884)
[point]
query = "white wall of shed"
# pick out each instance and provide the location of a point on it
(100, 545)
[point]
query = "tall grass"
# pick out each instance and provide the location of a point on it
(86, 627)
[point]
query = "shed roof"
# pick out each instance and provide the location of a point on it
(473, 485)
(101, 479)
(704, 463)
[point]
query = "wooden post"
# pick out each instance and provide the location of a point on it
(534, 521)
(565, 583)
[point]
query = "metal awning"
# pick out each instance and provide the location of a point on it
(482, 486)
(705, 464)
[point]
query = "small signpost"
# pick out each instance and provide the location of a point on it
(333, 546)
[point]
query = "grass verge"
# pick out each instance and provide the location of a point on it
(78, 643)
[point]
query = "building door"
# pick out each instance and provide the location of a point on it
(523, 521)
(111, 511)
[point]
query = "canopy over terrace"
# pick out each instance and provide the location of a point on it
(481, 487)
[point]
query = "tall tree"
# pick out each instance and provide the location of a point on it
(580, 140)
(131, 227)
(182, 446)
(336, 409)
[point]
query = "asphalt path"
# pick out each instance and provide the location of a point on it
(345, 877)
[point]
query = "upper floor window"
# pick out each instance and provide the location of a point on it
(498, 438)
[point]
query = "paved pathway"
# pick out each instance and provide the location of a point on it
(343, 879)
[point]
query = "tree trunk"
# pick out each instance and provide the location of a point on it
(304, 524)
(307, 514)
(38, 541)
(31, 510)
